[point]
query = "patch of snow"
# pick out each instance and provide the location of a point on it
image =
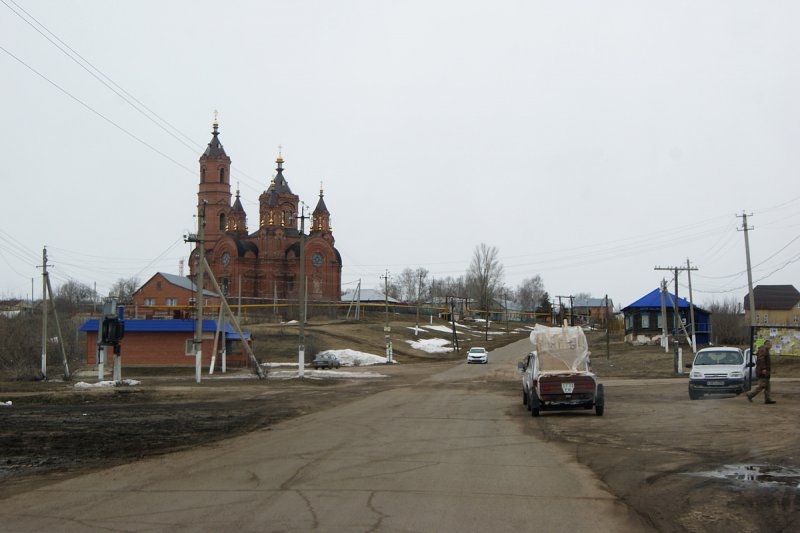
(443, 329)
(317, 374)
(353, 358)
(431, 345)
(105, 384)
(6, 404)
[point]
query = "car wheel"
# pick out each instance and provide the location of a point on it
(524, 398)
(600, 401)
(534, 404)
(694, 395)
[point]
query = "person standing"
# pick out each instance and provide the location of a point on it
(763, 370)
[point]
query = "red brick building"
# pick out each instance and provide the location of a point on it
(168, 296)
(264, 263)
(166, 342)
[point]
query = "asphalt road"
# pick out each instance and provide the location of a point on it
(449, 453)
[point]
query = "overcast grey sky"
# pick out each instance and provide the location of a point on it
(588, 141)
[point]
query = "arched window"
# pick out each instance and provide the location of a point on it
(202, 174)
(222, 221)
(222, 175)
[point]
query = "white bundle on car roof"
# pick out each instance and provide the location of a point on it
(561, 349)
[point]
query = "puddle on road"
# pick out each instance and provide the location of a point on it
(764, 475)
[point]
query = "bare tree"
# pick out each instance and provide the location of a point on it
(449, 286)
(72, 294)
(530, 293)
(484, 276)
(407, 285)
(123, 289)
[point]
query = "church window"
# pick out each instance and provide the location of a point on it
(283, 218)
(222, 175)
(202, 174)
(225, 286)
(222, 221)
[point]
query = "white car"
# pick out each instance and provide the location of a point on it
(477, 355)
(719, 370)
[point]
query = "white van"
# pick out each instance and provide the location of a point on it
(719, 370)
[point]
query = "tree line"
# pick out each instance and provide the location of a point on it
(483, 283)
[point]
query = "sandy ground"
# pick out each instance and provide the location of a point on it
(716, 464)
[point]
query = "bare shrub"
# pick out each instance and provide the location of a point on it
(728, 324)
(20, 347)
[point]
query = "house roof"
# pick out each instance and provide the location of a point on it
(652, 300)
(180, 281)
(367, 295)
(775, 297)
(592, 302)
(510, 305)
(166, 326)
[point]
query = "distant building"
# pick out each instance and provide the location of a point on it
(643, 317)
(168, 296)
(776, 305)
(264, 263)
(593, 310)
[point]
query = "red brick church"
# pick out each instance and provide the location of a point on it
(264, 263)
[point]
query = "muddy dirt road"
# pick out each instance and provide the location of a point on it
(668, 459)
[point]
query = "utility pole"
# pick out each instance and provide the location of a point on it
(751, 300)
(301, 352)
(47, 294)
(571, 319)
(676, 313)
(44, 313)
(419, 297)
(691, 307)
(198, 238)
(386, 328)
(664, 336)
(608, 328)
(750, 295)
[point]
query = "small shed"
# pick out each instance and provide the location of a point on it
(643, 317)
(167, 343)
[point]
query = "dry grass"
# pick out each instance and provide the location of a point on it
(279, 342)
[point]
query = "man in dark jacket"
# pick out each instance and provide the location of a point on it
(763, 368)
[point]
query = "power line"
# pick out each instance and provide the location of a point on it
(139, 106)
(99, 114)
